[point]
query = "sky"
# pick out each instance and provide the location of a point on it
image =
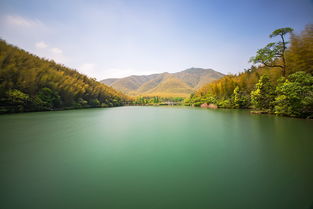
(118, 38)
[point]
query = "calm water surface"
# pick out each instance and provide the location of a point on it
(155, 157)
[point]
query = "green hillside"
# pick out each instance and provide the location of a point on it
(281, 83)
(30, 83)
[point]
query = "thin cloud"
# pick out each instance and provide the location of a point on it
(88, 69)
(56, 50)
(57, 55)
(124, 72)
(53, 53)
(15, 20)
(41, 45)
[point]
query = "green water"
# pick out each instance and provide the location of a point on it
(155, 157)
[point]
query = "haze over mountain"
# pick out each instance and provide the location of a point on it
(180, 84)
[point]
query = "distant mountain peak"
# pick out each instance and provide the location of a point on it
(194, 69)
(165, 84)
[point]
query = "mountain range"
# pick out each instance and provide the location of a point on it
(180, 84)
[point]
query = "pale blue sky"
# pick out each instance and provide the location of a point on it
(115, 38)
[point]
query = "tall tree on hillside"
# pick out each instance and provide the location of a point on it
(272, 52)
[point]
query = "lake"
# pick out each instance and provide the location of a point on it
(155, 157)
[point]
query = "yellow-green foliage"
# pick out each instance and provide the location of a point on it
(245, 89)
(224, 87)
(47, 85)
(299, 57)
(300, 53)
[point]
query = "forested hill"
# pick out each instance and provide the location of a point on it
(281, 83)
(30, 83)
(180, 84)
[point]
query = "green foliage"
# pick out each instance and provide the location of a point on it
(268, 55)
(265, 88)
(49, 98)
(226, 103)
(29, 83)
(82, 103)
(299, 56)
(263, 96)
(281, 32)
(295, 96)
(240, 100)
(17, 97)
(274, 52)
(157, 100)
(96, 103)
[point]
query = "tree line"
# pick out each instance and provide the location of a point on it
(30, 83)
(156, 100)
(279, 82)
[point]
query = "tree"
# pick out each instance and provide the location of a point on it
(49, 98)
(295, 96)
(29, 83)
(17, 99)
(96, 103)
(263, 96)
(291, 98)
(299, 56)
(239, 99)
(273, 52)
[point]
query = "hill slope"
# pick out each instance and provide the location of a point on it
(164, 84)
(268, 89)
(30, 83)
